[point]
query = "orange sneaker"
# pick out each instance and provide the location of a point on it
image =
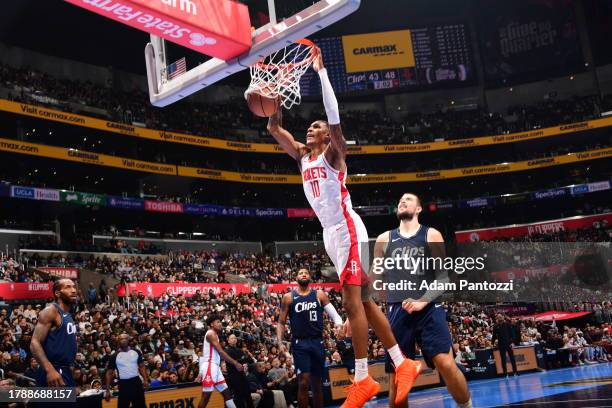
(405, 374)
(360, 392)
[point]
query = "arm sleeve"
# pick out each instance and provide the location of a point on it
(333, 314)
(112, 362)
(329, 99)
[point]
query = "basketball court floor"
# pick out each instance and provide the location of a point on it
(584, 387)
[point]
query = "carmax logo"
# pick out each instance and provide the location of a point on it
(377, 50)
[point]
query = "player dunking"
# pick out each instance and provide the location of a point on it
(54, 342)
(322, 162)
(210, 365)
(305, 307)
(414, 315)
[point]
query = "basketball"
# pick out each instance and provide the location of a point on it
(260, 105)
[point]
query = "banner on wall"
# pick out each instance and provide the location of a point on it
(300, 213)
(545, 227)
(184, 289)
(70, 273)
(26, 291)
(224, 175)
(163, 206)
(125, 203)
(208, 142)
(550, 193)
(77, 197)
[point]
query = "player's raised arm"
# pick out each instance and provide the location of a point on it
(337, 148)
(284, 138)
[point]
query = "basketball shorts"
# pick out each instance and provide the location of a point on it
(41, 381)
(212, 377)
(347, 246)
(427, 328)
(308, 356)
(64, 371)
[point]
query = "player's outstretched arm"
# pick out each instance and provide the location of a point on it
(337, 148)
(284, 138)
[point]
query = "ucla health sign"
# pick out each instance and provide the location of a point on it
(23, 192)
(31, 193)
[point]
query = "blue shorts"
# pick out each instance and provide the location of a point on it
(65, 372)
(428, 328)
(308, 356)
(41, 381)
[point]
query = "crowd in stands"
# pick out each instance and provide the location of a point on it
(226, 120)
(169, 333)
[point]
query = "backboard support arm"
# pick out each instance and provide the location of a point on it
(266, 40)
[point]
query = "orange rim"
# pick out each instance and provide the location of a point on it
(305, 42)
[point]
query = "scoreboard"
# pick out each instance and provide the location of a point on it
(415, 58)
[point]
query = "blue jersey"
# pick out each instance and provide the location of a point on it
(60, 346)
(415, 250)
(306, 315)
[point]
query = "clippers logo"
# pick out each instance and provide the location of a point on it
(71, 328)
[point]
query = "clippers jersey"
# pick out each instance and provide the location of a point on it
(414, 249)
(306, 315)
(60, 346)
(325, 190)
(209, 353)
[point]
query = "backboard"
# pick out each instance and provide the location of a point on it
(265, 40)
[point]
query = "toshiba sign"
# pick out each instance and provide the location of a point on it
(219, 28)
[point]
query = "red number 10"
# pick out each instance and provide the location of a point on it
(316, 191)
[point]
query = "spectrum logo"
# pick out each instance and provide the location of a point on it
(151, 21)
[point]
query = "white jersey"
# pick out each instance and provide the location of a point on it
(209, 353)
(325, 189)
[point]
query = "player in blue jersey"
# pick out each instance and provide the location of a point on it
(304, 307)
(414, 315)
(54, 342)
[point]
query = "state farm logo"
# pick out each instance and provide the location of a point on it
(199, 40)
(184, 5)
(151, 19)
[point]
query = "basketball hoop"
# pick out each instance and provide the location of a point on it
(278, 75)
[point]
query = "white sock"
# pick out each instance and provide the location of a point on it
(361, 369)
(230, 403)
(467, 404)
(396, 355)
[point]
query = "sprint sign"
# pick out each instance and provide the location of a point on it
(219, 28)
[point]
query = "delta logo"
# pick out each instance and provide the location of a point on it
(150, 22)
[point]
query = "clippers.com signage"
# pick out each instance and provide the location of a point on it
(522, 230)
(190, 289)
(219, 28)
(26, 291)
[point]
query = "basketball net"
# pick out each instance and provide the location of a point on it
(278, 75)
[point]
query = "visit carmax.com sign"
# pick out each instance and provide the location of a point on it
(370, 52)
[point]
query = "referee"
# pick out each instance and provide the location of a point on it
(127, 362)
